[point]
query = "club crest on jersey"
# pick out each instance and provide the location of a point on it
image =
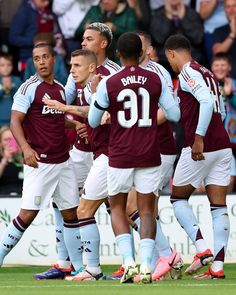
(191, 83)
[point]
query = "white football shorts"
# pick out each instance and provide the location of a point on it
(50, 181)
(95, 187)
(83, 162)
(144, 180)
(167, 169)
(215, 169)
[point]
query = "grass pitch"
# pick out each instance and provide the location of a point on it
(18, 281)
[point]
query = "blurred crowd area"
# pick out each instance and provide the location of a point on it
(210, 25)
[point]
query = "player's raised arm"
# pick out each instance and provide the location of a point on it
(76, 110)
(70, 90)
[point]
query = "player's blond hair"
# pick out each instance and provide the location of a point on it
(103, 29)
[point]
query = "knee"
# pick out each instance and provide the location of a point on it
(69, 214)
(83, 212)
(27, 216)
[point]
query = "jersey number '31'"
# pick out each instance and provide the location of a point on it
(132, 105)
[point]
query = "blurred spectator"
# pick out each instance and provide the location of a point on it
(70, 14)
(176, 18)
(224, 37)
(212, 12)
(116, 14)
(7, 12)
(11, 163)
(221, 67)
(142, 11)
(8, 87)
(33, 16)
(60, 70)
(154, 4)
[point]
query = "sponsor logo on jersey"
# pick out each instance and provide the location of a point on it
(46, 110)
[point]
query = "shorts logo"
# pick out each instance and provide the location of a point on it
(37, 200)
(191, 83)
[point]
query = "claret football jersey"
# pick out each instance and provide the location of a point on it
(98, 137)
(192, 80)
(44, 128)
(131, 97)
(167, 140)
(82, 144)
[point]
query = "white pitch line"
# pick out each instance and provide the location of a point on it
(118, 285)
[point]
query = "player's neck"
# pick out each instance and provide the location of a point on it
(129, 62)
(48, 80)
(145, 62)
(185, 58)
(101, 57)
(84, 83)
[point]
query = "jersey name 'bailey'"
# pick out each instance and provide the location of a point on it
(133, 79)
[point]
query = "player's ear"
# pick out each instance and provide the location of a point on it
(92, 67)
(169, 53)
(141, 53)
(104, 43)
(118, 53)
(149, 50)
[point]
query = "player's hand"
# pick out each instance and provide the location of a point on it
(54, 104)
(94, 82)
(81, 130)
(197, 148)
(31, 157)
(106, 118)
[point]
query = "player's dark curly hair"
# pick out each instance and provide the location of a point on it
(176, 42)
(129, 45)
